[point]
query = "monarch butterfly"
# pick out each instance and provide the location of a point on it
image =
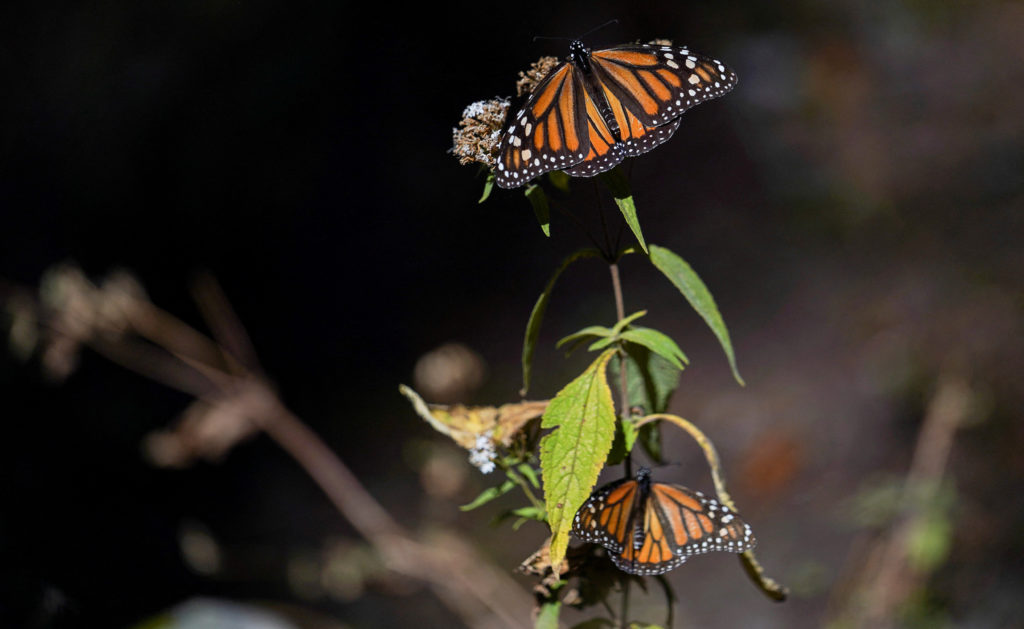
(597, 108)
(650, 528)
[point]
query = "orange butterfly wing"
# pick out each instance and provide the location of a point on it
(548, 133)
(606, 517)
(661, 531)
(586, 123)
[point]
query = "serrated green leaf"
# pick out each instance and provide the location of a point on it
(659, 343)
(616, 181)
(488, 187)
(537, 314)
(591, 330)
(559, 180)
(539, 201)
(621, 325)
(488, 495)
(547, 618)
(572, 455)
(693, 289)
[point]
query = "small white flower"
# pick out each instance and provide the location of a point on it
(482, 453)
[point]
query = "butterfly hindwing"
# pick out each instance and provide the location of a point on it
(605, 147)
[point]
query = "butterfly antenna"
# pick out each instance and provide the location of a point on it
(536, 37)
(596, 28)
(614, 20)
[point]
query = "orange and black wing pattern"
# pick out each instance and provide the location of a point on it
(598, 108)
(606, 518)
(548, 133)
(662, 527)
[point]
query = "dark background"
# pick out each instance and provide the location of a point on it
(855, 206)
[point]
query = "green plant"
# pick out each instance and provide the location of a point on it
(570, 439)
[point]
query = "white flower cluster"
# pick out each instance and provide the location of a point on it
(482, 453)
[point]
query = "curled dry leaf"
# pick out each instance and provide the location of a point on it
(539, 563)
(464, 424)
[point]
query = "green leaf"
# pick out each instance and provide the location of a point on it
(548, 616)
(591, 330)
(659, 343)
(532, 513)
(650, 382)
(619, 187)
(488, 187)
(690, 285)
(600, 344)
(531, 474)
(572, 455)
(928, 542)
(625, 438)
(535, 195)
(559, 180)
(649, 437)
(621, 325)
(537, 314)
(650, 379)
(488, 495)
(629, 433)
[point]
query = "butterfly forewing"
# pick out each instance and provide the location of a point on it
(549, 133)
(586, 123)
(659, 83)
(605, 517)
(699, 524)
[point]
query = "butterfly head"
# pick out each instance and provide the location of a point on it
(643, 478)
(579, 53)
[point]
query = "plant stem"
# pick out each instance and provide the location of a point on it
(525, 486)
(624, 614)
(620, 313)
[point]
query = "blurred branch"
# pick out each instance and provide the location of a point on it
(233, 402)
(888, 578)
(227, 328)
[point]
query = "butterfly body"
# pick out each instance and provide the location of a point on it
(599, 107)
(650, 528)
